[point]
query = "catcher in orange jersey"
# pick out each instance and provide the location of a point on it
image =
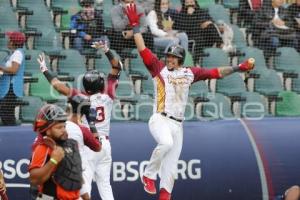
(171, 84)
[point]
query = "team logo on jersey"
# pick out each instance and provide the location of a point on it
(178, 81)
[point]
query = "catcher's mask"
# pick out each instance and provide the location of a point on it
(48, 116)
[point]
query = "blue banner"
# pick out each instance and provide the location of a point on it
(227, 160)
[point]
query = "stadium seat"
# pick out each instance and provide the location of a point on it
(102, 64)
(176, 4)
(198, 89)
(73, 64)
(231, 3)
(107, 5)
(216, 58)
(31, 65)
(137, 66)
(125, 88)
(71, 6)
(288, 60)
(188, 61)
(232, 85)
(239, 40)
(296, 85)
(3, 55)
(50, 41)
(218, 107)
(43, 89)
(144, 108)
(289, 106)
(218, 12)
(205, 3)
(148, 86)
(29, 111)
(268, 84)
(254, 106)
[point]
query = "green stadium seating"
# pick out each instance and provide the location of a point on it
(289, 106)
(238, 38)
(107, 5)
(288, 60)
(231, 3)
(125, 88)
(268, 84)
(218, 107)
(144, 108)
(188, 61)
(198, 89)
(50, 41)
(148, 86)
(189, 113)
(73, 64)
(205, 3)
(31, 65)
(254, 107)
(296, 85)
(137, 66)
(3, 55)
(103, 63)
(218, 12)
(29, 111)
(176, 4)
(43, 89)
(232, 85)
(216, 58)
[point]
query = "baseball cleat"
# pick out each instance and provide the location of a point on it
(149, 185)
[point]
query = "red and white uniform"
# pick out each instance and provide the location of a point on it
(84, 137)
(100, 162)
(171, 94)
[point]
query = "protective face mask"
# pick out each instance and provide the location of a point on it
(164, 10)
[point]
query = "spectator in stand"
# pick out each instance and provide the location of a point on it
(273, 28)
(122, 35)
(198, 25)
(89, 25)
(226, 34)
(247, 10)
(294, 13)
(11, 78)
(161, 21)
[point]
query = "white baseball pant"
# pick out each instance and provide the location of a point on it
(100, 167)
(168, 134)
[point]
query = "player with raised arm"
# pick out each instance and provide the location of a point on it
(101, 95)
(171, 86)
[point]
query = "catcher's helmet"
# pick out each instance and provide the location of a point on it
(93, 82)
(83, 3)
(80, 104)
(48, 116)
(177, 51)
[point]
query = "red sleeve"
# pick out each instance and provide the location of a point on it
(89, 139)
(203, 74)
(112, 84)
(153, 64)
(74, 92)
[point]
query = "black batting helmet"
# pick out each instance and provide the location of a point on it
(80, 104)
(83, 3)
(49, 115)
(93, 82)
(177, 51)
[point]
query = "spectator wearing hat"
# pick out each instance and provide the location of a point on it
(89, 25)
(11, 78)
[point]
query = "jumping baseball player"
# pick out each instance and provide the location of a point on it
(101, 98)
(171, 82)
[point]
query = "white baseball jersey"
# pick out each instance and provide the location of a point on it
(102, 104)
(172, 87)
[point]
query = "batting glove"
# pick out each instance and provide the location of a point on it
(133, 16)
(247, 65)
(41, 60)
(101, 45)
